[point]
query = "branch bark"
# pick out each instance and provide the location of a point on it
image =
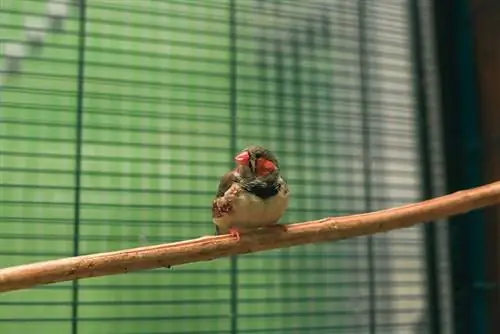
(209, 248)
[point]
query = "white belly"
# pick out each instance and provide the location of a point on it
(250, 211)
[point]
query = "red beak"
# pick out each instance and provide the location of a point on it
(242, 158)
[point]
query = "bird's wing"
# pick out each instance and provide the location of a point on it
(225, 183)
(284, 184)
(220, 205)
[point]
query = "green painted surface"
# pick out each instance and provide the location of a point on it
(156, 138)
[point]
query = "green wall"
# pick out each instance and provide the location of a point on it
(156, 137)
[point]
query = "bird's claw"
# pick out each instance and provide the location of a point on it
(235, 233)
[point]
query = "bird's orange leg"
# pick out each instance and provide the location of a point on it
(235, 233)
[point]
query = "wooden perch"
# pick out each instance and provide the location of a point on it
(209, 248)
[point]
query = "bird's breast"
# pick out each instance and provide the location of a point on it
(249, 210)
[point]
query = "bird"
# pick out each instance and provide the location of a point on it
(253, 195)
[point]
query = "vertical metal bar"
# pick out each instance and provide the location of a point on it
(233, 80)
(263, 74)
(78, 155)
(297, 113)
(314, 78)
(422, 110)
(298, 72)
(297, 94)
(367, 172)
(281, 143)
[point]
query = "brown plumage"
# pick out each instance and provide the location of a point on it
(252, 195)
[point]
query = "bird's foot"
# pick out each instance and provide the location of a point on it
(282, 227)
(235, 233)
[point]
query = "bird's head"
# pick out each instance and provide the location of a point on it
(257, 161)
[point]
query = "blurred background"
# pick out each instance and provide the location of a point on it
(117, 118)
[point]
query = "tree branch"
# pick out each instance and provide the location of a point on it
(209, 248)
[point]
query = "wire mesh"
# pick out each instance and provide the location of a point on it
(114, 135)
